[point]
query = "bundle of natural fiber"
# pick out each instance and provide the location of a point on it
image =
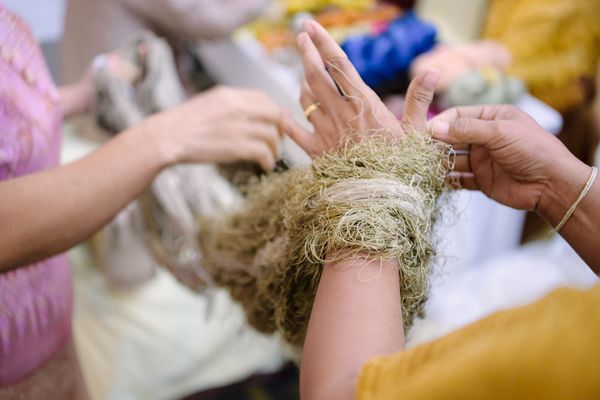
(376, 198)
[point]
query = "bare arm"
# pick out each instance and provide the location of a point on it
(356, 316)
(46, 213)
(357, 311)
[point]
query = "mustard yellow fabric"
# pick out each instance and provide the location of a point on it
(555, 43)
(547, 350)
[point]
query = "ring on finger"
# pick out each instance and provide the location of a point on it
(311, 109)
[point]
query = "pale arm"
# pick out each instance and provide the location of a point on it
(48, 212)
(356, 316)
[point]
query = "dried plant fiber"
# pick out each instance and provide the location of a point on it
(376, 198)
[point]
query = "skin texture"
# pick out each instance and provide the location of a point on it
(48, 212)
(360, 111)
(356, 313)
(512, 160)
(515, 162)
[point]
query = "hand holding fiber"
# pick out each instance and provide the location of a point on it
(375, 198)
(511, 158)
(222, 125)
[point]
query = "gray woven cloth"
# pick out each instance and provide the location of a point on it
(159, 228)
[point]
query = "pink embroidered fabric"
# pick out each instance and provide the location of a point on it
(35, 301)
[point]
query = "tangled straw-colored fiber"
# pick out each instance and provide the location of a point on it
(376, 198)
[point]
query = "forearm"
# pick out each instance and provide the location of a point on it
(356, 315)
(582, 230)
(46, 213)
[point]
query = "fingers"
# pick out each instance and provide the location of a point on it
(462, 163)
(419, 96)
(301, 136)
(339, 67)
(307, 97)
(488, 112)
(258, 106)
(264, 132)
(462, 180)
(317, 77)
(453, 113)
(260, 153)
(326, 46)
(467, 130)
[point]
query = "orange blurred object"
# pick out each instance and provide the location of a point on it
(339, 18)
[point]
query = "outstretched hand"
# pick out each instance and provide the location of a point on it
(339, 104)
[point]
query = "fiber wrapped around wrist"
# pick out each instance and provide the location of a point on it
(376, 198)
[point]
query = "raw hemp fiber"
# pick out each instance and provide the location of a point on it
(375, 198)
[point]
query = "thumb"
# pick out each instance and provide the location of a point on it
(466, 130)
(419, 96)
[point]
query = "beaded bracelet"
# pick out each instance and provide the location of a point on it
(583, 193)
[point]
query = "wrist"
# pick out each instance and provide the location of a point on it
(150, 135)
(565, 183)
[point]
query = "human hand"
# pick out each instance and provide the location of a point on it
(504, 153)
(342, 104)
(222, 125)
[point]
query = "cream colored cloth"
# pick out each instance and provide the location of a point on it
(155, 342)
(457, 21)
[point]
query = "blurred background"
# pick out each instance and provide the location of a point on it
(146, 332)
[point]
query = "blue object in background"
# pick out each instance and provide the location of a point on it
(380, 59)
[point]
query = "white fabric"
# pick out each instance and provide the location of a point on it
(155, 342)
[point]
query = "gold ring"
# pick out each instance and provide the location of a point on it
(311, 109)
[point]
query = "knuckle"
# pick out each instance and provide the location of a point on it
(312, 73)
(508, 110)
(422, 97)
(461, 126)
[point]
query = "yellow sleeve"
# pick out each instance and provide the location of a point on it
(549, 349)
(555, 45)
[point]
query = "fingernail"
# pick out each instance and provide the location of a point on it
(440, 128)
(309, 27)
(431, 79)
